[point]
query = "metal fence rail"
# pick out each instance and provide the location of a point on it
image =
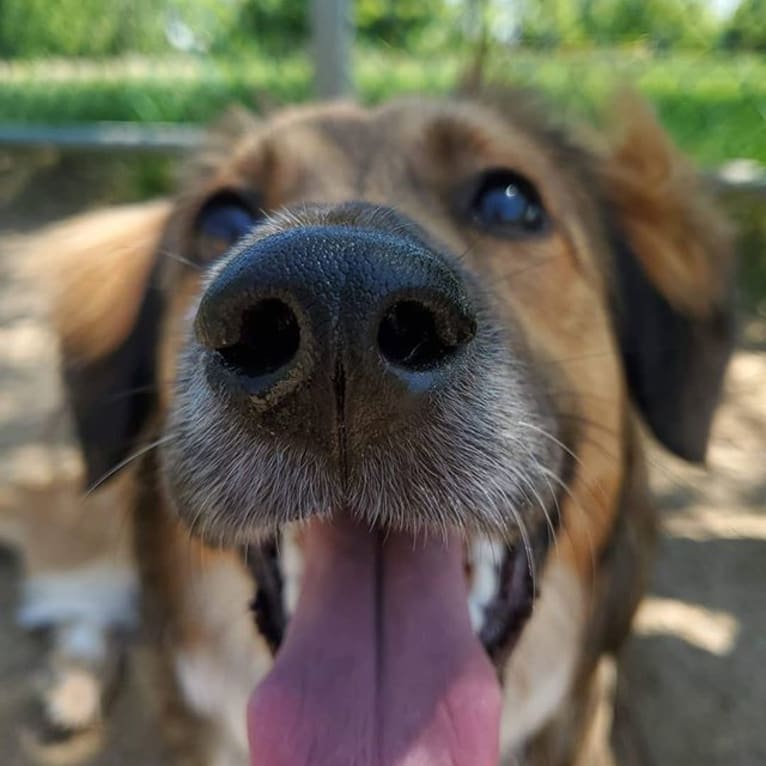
(740, 175)
(103, 136)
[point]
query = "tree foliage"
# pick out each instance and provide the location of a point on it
(30, 28)
(747, 28)
(662, 23)
(272, 25)
(401, 23)
(77, 27)
(395, 23)
(90, 28)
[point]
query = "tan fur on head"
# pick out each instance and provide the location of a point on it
(95, 269)
(673, 226)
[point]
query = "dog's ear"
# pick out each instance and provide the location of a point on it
(673, 265)
(100, 270)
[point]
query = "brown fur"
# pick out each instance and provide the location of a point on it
(409, 155)
(672, 221)
(95, 267)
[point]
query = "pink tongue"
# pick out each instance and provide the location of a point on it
(379, 666)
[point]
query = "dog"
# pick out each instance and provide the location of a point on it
(383, 374)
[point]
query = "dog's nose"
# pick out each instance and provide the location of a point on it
(321, 317)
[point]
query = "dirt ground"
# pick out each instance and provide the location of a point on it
(696, 667)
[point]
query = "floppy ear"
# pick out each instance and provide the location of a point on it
(101, 272)
(673, 266)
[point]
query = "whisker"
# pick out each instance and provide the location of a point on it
(549, 474)
(580, 357)
(526, 541)
(584, 515)
(611, 454)
(582, 395)
(589, 421)
(543, 508)
(660, 466)
(506, 277)
(468, 250)
(127, 461)
(147, 389)
(593, 484)
(180, 259)
(525, 538)
(538, 466)
(561, 445)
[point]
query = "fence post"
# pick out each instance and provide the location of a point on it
(331, 31)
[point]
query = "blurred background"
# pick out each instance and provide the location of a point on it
(101, 99)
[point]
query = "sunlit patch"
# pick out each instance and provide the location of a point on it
(712, 631)
(717, 524)
(35, 465)
(76, 700)
(24, 342)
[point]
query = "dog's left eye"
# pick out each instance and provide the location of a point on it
(508, 203)
(226, 217)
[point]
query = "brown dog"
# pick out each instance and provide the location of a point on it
(386, 366)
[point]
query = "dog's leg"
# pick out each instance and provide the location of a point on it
(87, 611)
(79, 585)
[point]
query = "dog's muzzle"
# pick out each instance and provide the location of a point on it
(344, 372)
(335, 336)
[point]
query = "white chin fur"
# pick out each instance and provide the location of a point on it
(542, 665)
(291, 563)
(486, 558)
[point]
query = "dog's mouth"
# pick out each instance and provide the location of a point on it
(390, 655)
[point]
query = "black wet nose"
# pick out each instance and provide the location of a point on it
(317, 308)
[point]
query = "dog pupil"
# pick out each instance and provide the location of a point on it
(505, 205)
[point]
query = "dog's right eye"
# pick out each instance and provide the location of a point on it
(224, 218)
(507, 203)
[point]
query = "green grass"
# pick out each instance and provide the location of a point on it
(145, 90)
(714, 105)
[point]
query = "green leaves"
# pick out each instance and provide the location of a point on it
(747, 29)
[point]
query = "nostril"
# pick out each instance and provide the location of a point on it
(269, 338)
(416, 336)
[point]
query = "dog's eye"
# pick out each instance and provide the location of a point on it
(508, 203)
(221, 221)
(226, 216)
